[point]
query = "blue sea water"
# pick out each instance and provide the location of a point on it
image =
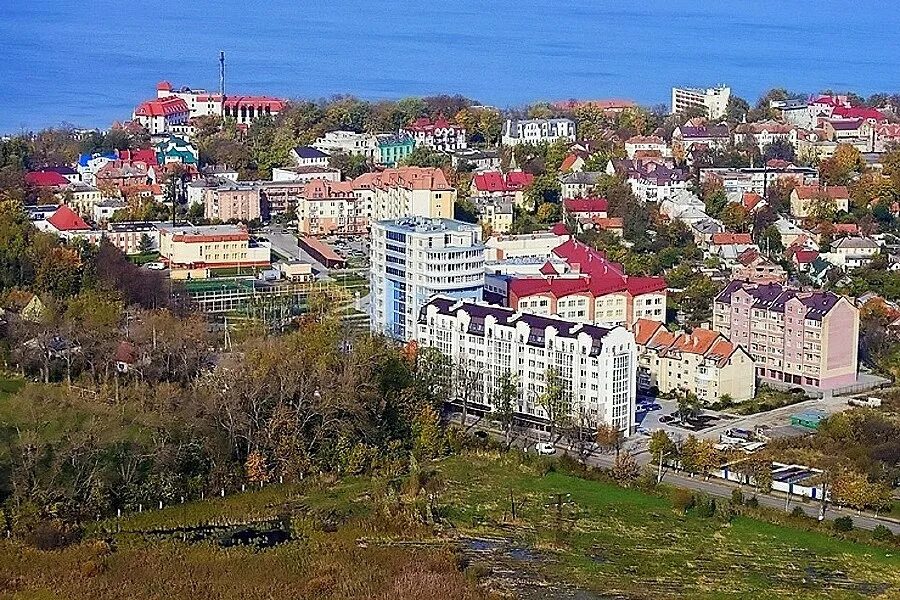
(89, 62)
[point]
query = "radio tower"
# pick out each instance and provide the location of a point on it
(222, 80)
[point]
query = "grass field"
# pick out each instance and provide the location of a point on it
(363, 538)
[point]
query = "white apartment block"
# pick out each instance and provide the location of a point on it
(596, 365)
(415, 259)
(536, 131)
(713, 100)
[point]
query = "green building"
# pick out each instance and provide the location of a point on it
(178, 150)
(394, 148)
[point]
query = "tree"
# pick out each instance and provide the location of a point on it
(350, 166)
(780, 149)
(467, 384)
(737, 109)
(555, 400)
(503, 399)
(770, 241)
(428, 438)
(626, 469)
(545, 189)
(661, 445)
(735, 217)
(549, 212)
(840, 168)
(696, 300)
(609, 438)
(145, 246)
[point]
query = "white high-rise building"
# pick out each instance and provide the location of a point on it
(415, 259)
(536, 131)
(596, 365)
(713, 100)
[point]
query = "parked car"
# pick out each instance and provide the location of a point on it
(545, 448)
(653, 406)
(666, 419)
(156, 266)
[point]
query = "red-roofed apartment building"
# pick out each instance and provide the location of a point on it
(46, 179)
(243, 109)
(703, 362)
(159, 115)
(496, 184)
(585, 208)
(805, 197)
(592, 290)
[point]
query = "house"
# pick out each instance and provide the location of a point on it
(104, 210)
(174, 149)
(478, 160)
(82, 198)
(496, 183)
(191, 251)
(704, 229)
(496, 212)
(802, 259)
(393, 149)
(752, 266)
(728, 246)
(129, 236)
(89, 164)
(304, 174)
(440, 134)
(406, 192)
(46, 180)
(789, 232)
(67, 224)
(307, 156)
(857, 132)
(835, 230)
(650, 145)
(26, 305)
(573, 163)
(811, 337)
(223, 171)
(886, 136)
(764, 133)
(537, 131)
(758, 180)
(651, 180)
(614, 225)
(579, 185)
(689, 137)
(349, 143)
(125, 357)
(805, 198)
(685, 207)
(852, 252)
(71, 174)
(702, 362)
(585, 208)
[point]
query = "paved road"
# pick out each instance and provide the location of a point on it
(713, 487)
(284, 242)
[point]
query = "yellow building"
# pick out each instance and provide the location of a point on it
(702, 362)
(211, 246)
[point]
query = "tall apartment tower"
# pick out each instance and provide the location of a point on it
(713, 100)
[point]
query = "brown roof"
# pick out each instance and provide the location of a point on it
(809, 192)
(727, 238)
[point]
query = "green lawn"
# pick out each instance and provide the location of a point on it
(142, 259)
(603, 538)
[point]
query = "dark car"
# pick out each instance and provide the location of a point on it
(481, 435)
(666, 419)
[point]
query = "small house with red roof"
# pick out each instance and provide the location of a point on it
(46, 180)
(701, 361)
(802, 258)
(67, 224)
(572, 163)
(440, 134)
(585, 208)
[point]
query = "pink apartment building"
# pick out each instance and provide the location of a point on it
(795, 337)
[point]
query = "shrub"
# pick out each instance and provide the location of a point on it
(882, 533)
(682, 500)
(737, 497)
(843, 524)
(705, 507)
(798, 512)
(51, 535)
(752, 502)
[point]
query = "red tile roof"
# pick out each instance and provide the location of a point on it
(164, 86)
(728, 239)
(609, 222)
(568, 162)
(162, 107)
(803, 257)
(64, 219)
(859, 112)
(750, 199)
(144, 155)
(548, 269)
(495, 181)
(559, 229)
(265, 102)
(586, 205)
(45, 179)
(809, 192)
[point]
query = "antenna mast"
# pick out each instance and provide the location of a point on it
(222, 80)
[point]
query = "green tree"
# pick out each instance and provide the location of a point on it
(555, 400)
(351, 167)
(428, 437)
(504, 401)
(145, 245)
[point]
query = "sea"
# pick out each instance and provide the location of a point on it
(88, 63)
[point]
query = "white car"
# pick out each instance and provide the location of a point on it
(156, 266)
(545, 448)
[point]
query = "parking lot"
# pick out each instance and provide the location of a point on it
(355, 249)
